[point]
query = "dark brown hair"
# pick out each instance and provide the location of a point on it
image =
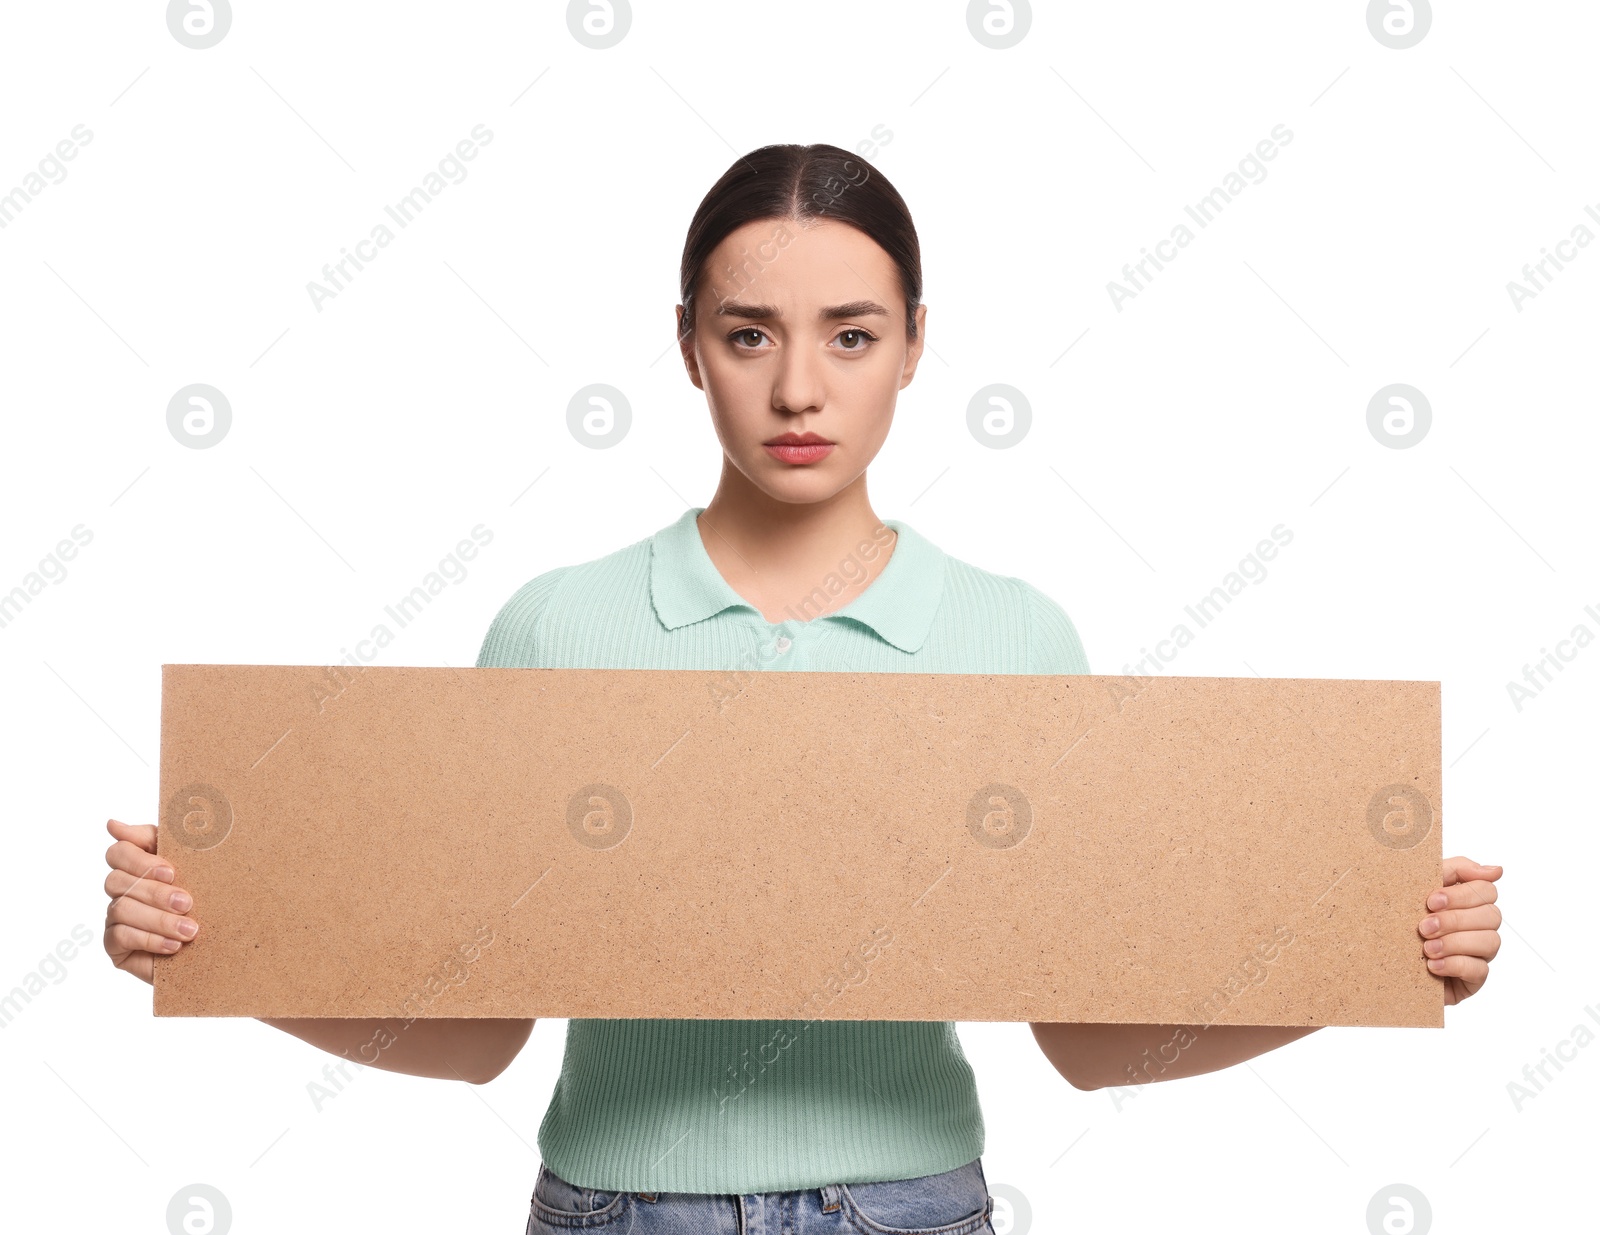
(803, 183)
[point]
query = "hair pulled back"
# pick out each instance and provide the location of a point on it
(802, 184)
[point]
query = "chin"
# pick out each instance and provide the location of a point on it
(799, 489)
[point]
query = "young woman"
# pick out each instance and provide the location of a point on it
(801, 320)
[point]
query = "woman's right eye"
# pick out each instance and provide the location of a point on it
(738, 335)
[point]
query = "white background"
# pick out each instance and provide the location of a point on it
(430, 395)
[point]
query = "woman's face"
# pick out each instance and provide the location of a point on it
(801, 329)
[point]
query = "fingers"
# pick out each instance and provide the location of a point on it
(145, 916)
(1472, 970)
(135, 950)
(121, 939)
(149, 891)
(1458, 869)
(1463, 895)
(1476, 917)
(143, 835)
(1484, 945)
(124, 855)
(1460, 940)
(146, 928)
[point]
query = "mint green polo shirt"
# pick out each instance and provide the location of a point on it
(713, 1105)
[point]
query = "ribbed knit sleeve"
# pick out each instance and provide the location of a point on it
(1053, 643)
(512, 641)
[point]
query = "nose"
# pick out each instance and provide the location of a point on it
(798, 383)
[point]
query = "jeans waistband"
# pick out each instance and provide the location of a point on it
(827, 1195)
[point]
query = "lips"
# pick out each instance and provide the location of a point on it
(798, 448)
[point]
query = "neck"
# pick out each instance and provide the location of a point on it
(789, 559)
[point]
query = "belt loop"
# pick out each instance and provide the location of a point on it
(830, 1197)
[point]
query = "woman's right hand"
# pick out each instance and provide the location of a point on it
(146, 914)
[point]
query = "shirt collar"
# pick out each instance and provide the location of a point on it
(898, 605)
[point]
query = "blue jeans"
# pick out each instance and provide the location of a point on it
(951, 1203)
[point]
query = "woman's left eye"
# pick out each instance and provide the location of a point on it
(862, 335)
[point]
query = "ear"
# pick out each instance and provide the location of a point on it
(914, 348)
(686, 348)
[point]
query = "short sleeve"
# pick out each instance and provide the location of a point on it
(512, 641)
(1053, 643)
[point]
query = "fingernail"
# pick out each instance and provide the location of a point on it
(187, 928)
(1434, 962)
(1429, 925)
(182, 902)
(171, 945)
(1438, 900)
(163, 873)
(1433, 947)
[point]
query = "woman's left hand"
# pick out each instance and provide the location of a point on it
(1460, 934)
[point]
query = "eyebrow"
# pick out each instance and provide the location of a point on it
(856, 308)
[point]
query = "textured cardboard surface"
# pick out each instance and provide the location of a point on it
(410, 842)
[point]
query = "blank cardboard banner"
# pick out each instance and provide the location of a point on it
(434, 842)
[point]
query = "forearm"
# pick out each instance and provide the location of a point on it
(476, 1050)
(1094, 1056)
